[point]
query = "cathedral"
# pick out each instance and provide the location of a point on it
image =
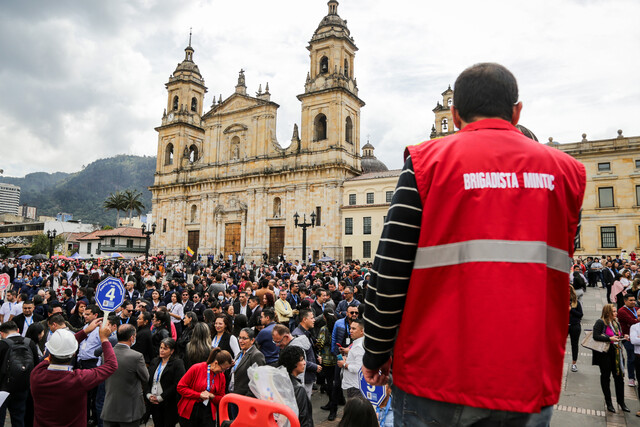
(225, 185)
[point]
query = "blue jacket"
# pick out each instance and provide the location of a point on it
(267, 346)
(340, 331)
(343, 306)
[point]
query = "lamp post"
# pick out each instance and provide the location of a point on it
(304, 225)
(51, 235)
(147, 236)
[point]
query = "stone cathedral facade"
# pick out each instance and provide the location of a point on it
(225, 185)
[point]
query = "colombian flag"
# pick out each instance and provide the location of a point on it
(190, 251)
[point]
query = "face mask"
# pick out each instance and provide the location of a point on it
(220, 297)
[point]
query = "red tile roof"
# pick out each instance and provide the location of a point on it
(120, 231)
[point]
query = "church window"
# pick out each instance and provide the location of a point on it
(175, 102)
(324, 65)
(346, 68)
(348, 130)
(164, 225)
(277, 207)
(194, 104)
(193, 153)
(320, 126)
(318, 215)
(194, 213)
(235, 148)
(449, 102)
(168, 154)
(445, 125)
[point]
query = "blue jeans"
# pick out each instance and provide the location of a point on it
(414, 411)
(17, 405)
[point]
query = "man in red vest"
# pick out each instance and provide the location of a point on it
(487, 216)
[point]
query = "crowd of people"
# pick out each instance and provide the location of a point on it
(618, 325)
(185, 335)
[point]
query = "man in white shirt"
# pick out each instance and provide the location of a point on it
(5, 310)
(351, 366)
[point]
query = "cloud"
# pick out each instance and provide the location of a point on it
(85, 80)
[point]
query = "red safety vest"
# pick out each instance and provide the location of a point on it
(485, 320)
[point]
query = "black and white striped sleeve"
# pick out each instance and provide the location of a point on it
(392, 266)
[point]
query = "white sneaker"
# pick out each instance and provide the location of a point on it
(632, 383)
(574, 368)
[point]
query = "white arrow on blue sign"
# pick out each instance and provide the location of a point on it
(373, 393)
(109, 294)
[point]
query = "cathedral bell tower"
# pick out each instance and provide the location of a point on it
(181, 135)
(330, 103)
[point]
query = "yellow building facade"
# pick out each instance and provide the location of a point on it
(225, 185)
(611, 207)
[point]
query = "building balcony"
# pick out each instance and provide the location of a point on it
(121, 248)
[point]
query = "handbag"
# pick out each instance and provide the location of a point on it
(590, 343)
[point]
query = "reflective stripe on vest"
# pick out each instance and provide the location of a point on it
(492, 251)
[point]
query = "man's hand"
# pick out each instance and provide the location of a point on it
(319, 368)
(105, 333)
(94, 324)
(342, 362)
(377, 377)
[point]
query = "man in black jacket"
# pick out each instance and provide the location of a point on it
(26, 319)
(17, 400)
(608, 278)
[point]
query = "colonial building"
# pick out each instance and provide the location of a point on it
(611, 207)
(365, 203)
(224, 184)
(127, 241)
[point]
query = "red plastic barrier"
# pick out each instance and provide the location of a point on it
(254, 412)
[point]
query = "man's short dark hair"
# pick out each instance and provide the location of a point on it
(304, 313)
(629, 295)
(93, 308)
(57, 318)
(125, 332)
(68, 293)
(485, 90)
(9, 326)
(269, 312)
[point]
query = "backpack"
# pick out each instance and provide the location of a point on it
(17, 366)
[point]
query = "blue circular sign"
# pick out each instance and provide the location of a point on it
(373, 393)
(109, 294)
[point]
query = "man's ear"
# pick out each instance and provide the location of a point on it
(457, 121)
(515, 116)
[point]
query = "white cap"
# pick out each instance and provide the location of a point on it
(62, 344)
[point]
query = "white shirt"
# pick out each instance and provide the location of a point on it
(28, 321)
(16, 310)
(6, 309)
(350, 377)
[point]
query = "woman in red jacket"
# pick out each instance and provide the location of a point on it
(202, 388)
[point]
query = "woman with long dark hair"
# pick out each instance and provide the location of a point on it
(199, 347)
(575, 316)
(190, 320)
(607, 329)
(223, 337)
(77, 318)
(164, 373)
(161, 330)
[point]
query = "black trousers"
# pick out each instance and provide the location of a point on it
(574, 335)
(607, 369)
(336, 396)
(200, 417)
(636, 362)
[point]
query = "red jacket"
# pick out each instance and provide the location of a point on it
(193, 383)
(500, 214)
(627, 318)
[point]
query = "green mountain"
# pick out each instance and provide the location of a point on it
(82, 193)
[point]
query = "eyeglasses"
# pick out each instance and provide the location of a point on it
(277, 342)
(247, 338)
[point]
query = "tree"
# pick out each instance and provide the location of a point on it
(133, 202)
(40, 243)
(116, 201)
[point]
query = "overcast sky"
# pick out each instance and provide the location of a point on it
(83, 80)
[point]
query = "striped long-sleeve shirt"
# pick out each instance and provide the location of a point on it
(392, 266)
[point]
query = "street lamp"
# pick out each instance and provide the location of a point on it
(304, 225)
(51, 235)
(147, 236)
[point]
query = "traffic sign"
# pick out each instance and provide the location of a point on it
(109, 294)
(4, 281)
(373, 393)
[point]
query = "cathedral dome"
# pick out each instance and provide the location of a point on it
(369, 162)
(188, 64)
(332, 25)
